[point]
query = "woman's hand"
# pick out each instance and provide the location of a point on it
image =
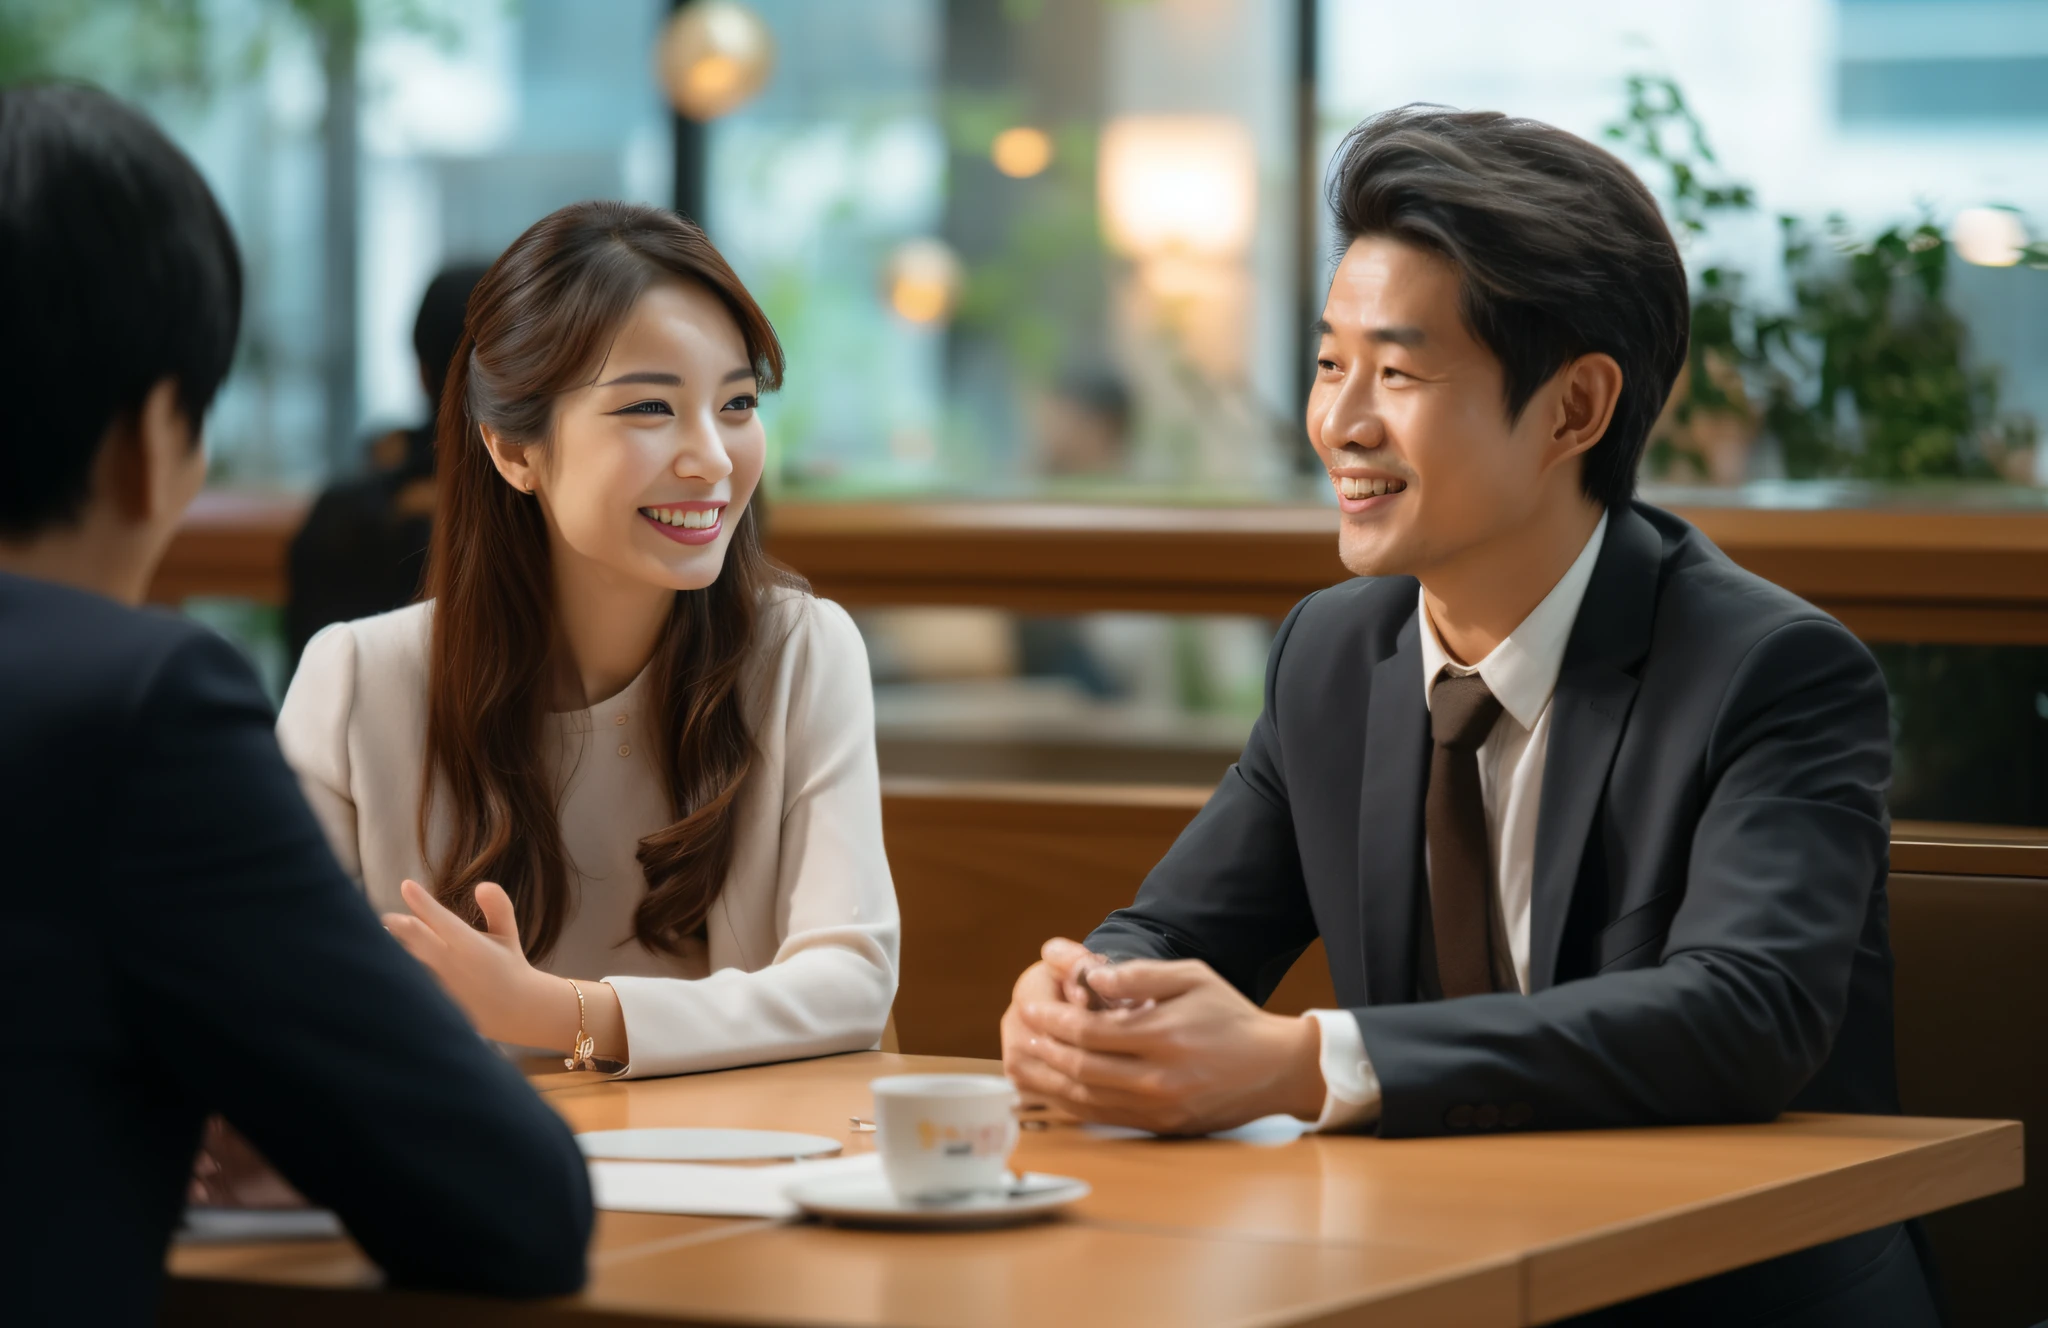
(508, 999)
(228, 1172)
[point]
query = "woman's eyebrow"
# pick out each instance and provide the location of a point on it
(646, 376)
(738, 375)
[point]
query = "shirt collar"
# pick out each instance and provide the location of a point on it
(1522, 670)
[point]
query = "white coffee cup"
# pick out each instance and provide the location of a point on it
(944, 1136)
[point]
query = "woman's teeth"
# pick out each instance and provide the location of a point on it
(688, 519)
(1352, 486)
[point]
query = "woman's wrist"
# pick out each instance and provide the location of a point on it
(542, 1013)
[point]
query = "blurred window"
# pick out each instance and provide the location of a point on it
(1045, 246)
(358, 146)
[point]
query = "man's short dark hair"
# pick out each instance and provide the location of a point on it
(1560, 249)
(118, 271)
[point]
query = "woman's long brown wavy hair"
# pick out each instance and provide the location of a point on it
(538, 325)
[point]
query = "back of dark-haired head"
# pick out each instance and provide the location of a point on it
(118, 271)
(439, 324)
(1560, 249)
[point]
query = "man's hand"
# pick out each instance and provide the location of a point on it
(486, 972)
(1192, 1056)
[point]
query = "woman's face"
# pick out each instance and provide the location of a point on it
(652, 464)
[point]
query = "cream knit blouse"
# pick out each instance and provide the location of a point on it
(799, 953)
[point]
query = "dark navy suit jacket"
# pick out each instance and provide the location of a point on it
(177, 940)
(1708, 938)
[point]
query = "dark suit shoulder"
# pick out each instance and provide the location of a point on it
(1708, 605)
(1731, 654)
(73, 663)
(1366, 612)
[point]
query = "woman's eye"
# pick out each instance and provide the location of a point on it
(744, 401)
(1327, 366)
(646, 408)
(1391, 372)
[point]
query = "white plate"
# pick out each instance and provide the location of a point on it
(867, 1201)
(680, 1145)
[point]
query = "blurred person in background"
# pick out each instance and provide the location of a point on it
(615, 781)
(363, 549)
(168, 902)
(1082, 428)
(1081, 433)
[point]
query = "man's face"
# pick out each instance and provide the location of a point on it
(1409, 415)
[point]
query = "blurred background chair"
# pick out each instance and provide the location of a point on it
(1970, 933)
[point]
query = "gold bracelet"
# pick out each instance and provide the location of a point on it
(580, 1058)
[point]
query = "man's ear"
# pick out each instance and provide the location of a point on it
(173, 463)
(143, 452)
(1588, 389)
(513, 460)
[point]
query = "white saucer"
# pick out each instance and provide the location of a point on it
(686, 1145)
(867, 1201)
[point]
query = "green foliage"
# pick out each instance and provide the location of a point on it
(142, 47)
(1658, 125)
(1866, 373)
(132, 46)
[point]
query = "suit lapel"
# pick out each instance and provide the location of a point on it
(1390, 820)
(1595, 689)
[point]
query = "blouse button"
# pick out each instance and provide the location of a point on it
(619, 720)
(624, 750)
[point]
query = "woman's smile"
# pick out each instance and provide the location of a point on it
(687, 523)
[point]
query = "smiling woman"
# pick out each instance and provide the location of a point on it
(617, 737)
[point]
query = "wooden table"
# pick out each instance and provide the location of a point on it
(1501, 1230)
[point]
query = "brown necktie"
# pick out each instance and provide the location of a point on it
(1461, 714)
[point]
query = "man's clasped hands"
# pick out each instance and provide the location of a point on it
(1171, 1048)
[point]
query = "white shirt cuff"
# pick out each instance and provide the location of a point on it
(1351, 1095)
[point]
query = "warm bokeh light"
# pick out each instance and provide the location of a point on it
(1185, 184)
(714, 56)
(923, 281)
(1021, 152)
(1988, 236)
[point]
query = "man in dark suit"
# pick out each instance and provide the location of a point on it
(177, 937)
(1590, 821)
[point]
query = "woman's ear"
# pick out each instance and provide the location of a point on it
(511, 459)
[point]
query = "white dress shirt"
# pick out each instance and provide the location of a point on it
(1521, 672)
(798, 955)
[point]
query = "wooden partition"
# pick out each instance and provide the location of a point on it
(1903, 574)
(986, 872)
(1911, 574)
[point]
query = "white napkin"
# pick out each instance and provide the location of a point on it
(714, 1191)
